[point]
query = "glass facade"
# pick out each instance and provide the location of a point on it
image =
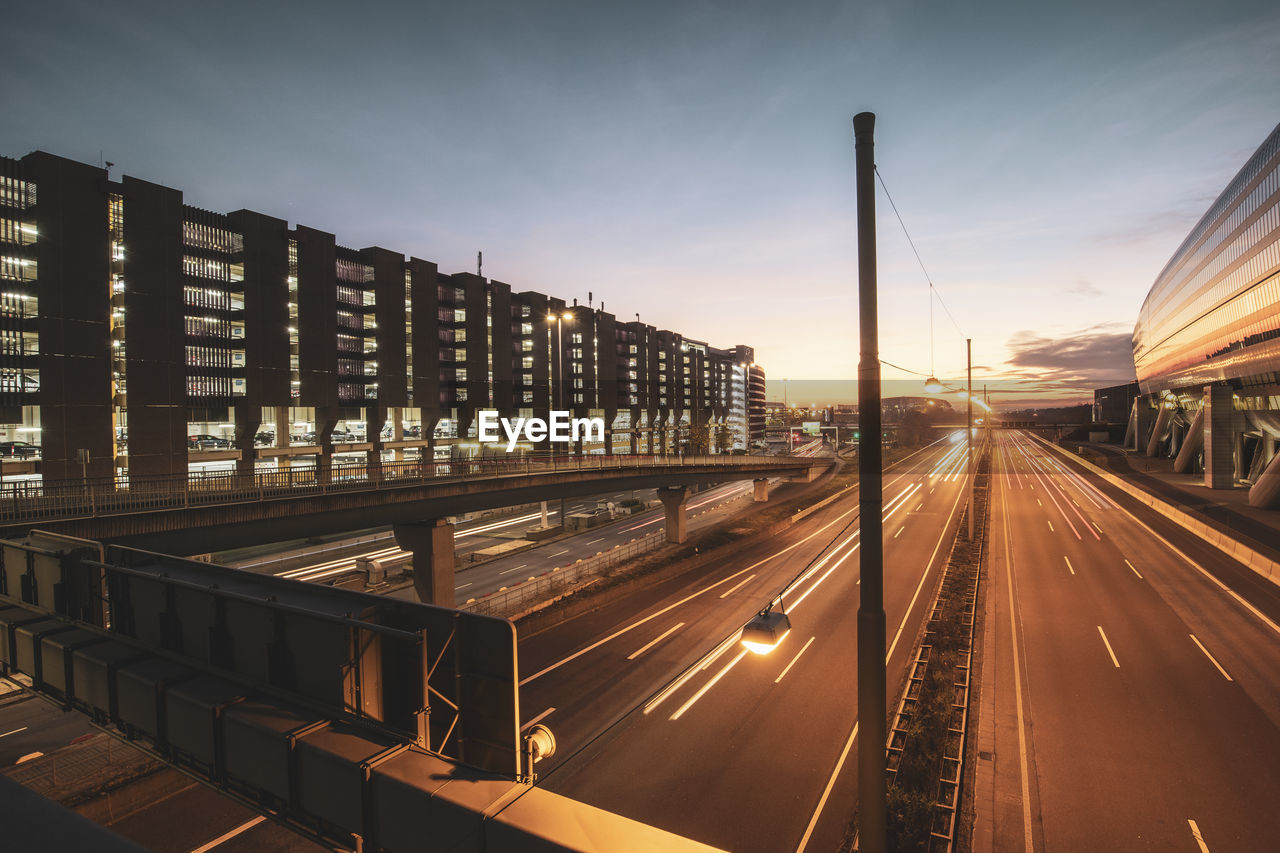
(1213, 313)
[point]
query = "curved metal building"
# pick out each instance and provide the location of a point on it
(1206, 346)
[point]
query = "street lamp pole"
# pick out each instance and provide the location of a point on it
(968, 408)
(872, 697)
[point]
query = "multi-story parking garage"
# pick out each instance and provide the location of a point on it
(1206, 346)
(140, 334)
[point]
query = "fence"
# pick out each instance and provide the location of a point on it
(517, 599)
(37, 501)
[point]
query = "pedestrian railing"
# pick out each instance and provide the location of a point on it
(122, 494)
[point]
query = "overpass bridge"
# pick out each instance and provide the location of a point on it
(228, 509)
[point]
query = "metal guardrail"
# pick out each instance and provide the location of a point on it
(31, 501)
(509, 602)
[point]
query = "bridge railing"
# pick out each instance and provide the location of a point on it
(22, 501)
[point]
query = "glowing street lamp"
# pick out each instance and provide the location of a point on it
(932, 385)
(765, 631)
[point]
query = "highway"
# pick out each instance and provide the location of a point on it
(1137, 701)
(661, 714)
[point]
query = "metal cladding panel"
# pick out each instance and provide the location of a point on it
(55, 657)
(26, 643)
(399, 787)
(192, 712)
(93, 670)
(46, 573)
(331, 774)
(14, 571)
(257, 738)
(10, 619)
(138, 692)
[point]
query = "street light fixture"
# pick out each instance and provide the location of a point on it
(766, 630)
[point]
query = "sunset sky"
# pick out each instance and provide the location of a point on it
(692, 162)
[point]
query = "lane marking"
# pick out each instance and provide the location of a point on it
(1211, 658)
(831, 783)
(14, 732)
(1050, 523)
(738, 585)
(793, 660)
(1195, 833)
(1069, 566)
(712, 683)
(1108, 645)
(464, 586)
(1038, 502)
(1135, 571)
(655, 641)
(538, 719)
(899, 533)
(1017, 683)
(560, 553)
(594, 541)
(517, 568)
(227, 836)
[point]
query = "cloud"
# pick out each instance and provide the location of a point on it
(1094, 357)
(1084, 288)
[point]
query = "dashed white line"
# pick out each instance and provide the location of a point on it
(1050, 523)
(655, 641)
(1135, 571)
(561, 553)
(1108, 645)
(1195, 833)
(899, 533)
(456, 588)
(794, 659)
(594, 541)
(735, 587)
(515, 568)
(1211, 658)
(1069, 566)
(14, 732)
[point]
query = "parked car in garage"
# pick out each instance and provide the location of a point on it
(18, 449)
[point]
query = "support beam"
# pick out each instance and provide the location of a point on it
(1191, 445)
(432, 545)
(674, 499)
(761, 490)
(1158, 433)
(1265, 493)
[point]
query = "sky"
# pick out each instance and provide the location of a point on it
(693, 162)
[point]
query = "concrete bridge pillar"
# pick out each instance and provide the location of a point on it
(761, 489)
(674, 499)
(432, 545)
(374, 417)
(1222, 426)
(247, 419)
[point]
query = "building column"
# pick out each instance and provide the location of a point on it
(674, 499)
(1157, 433)
(374, 416)
(1141, 420)
(1265, 492)
(247, 418)
(761, 489)
(1222, 425)
(432, 545)
(1190, 445)
(326, 420)
(397, 432)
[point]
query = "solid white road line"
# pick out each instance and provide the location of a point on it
(1108, 645)
(736, 586)
(831, 783)
(1211, 658)
(227, 836)
(538, 719)
(1195, 833)
(1135, 571)
(655, 641)
(793, 660)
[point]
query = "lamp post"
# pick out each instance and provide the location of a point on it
(968, 411)
(872, 698)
